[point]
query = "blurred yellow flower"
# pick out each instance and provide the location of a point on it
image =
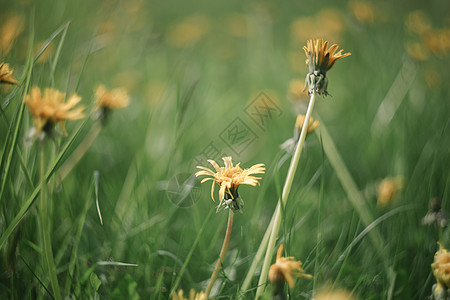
(328, 23)
(285, 268)
(319, 59)
(12, 26)
(229, 178)
(387, 189)
(313, 124)
(417, 51)
(6, 74)
(238, 25)
(111, 99)
(192, 295)
(432, 78)
(417, 22)
(188, 31)
(363, 11)
(441, 269)
(50, 108)
(334, 295)
(296, 90)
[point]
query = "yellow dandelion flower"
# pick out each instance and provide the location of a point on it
(6, 74)
(50, 108)
(192, 295)
(285, 268)
(334, 295)
(111, 99)
(441, 270)
(387, 189)
(229, 178)
(313, 124)
(320, 59)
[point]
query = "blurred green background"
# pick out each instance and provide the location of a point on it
(196, 71)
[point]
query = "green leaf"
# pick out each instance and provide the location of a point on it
(95, 281)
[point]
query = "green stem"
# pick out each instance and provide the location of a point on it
(258, 256)
(45, 228)
(284, 197)
(223, 251)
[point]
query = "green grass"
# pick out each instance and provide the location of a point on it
(183, 98)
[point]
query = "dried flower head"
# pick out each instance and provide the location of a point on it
(441, 270)
(6, 74)
(192, 295)
(285, 268)
(229, 178)
(387, 189)
(50, 108)
(319, 59)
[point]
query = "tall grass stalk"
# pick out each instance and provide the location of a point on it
(45, 216)
(284, 196)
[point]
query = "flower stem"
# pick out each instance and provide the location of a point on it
(223, 251)
(44, 218)
(284, 197)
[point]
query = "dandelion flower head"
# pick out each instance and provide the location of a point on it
(285, 268)
(319, 59)
(229, 178)
(441, 268)
(111, 99)
(49, 108)
(6, 74)
(313, 124)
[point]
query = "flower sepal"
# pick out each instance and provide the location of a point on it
(231, 201)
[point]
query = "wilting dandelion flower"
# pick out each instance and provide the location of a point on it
(441, 271)
(229, 178)
(319, 60)
(192, 295)
(387, 189)
(50, 108)
(6, 74)
(285, 268)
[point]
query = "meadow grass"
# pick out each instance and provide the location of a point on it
(123, 223)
